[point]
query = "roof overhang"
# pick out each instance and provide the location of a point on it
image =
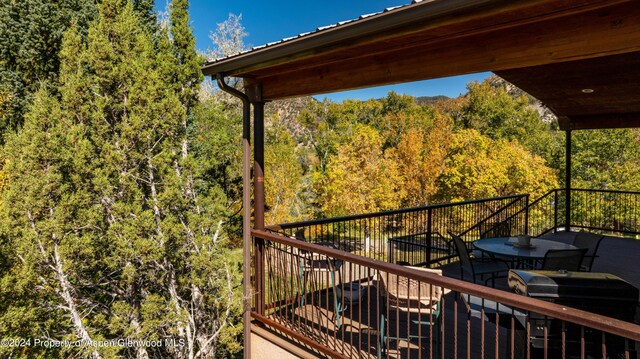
(551, 49)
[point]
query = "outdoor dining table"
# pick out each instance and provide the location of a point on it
(507, 247)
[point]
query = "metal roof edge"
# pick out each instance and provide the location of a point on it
(336, 33)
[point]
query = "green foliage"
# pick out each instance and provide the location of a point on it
(494, 112)
(606, 159)
(123, 188)
(31, 33)
(328, 124)
(114, 232)
(216, 150)
(479, 167)
(189, 75)
(30, 38)
(283, 181)
(144, 11)
(400, 114)
(420, 155)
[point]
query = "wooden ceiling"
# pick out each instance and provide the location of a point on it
(551, 49)
(602, 92)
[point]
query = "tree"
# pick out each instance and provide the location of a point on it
(189, 75)
(215, 144)
(322, 131)
(361, 178)
(31, 34)
(479, 167)
(107, 240)
(327, 124)
(30, 38)
(606, 159)
(490, 109)
(228, 39)
(421, 160)
(283, 184)
(400, 114)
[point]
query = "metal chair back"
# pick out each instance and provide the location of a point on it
(463, 252)
(591, 242)
(563, 259)
(411, 295)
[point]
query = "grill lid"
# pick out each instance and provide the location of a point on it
(576, 285)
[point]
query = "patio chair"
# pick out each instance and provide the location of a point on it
(478, 267)
(590, 241)
(420, 301)
(315, 264)
(563, 259)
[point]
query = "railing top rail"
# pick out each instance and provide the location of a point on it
(497, 212)
(580, 317)
(544, 196)
(389, 212)
(433, 206)
(603, 190)
(534, 203)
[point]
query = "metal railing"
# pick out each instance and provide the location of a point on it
(502, 223)
(606, 211)
(344, 305)
(413, 249)
(415, 235)
(369, 234)
(541, 216)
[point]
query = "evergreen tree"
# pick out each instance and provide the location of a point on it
(31, 34)
(30, 39)
(189, 75)
(109, 242)
(144, 9)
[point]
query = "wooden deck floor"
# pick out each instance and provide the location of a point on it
(357, 335)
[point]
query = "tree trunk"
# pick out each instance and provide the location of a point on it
(66, 292)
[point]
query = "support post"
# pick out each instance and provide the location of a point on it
(567, 214)
(526, 215)
(555, 211)
(255, 96)
(429, 239)
(246, 209)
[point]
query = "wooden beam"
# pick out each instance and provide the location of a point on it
(601, 121)
(451, 28)
(377, 28)
(615, 30)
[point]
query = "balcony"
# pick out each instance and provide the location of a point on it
(581, 59)
(340, 293)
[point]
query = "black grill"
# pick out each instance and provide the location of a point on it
(600, 293)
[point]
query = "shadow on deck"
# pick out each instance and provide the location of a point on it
(358, 333)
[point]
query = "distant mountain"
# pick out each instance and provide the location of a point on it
(430, 100)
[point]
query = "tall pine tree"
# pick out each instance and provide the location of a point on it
(114, 235)
(31, 34)
(30, 39)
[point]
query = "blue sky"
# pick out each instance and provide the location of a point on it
(271, 20)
